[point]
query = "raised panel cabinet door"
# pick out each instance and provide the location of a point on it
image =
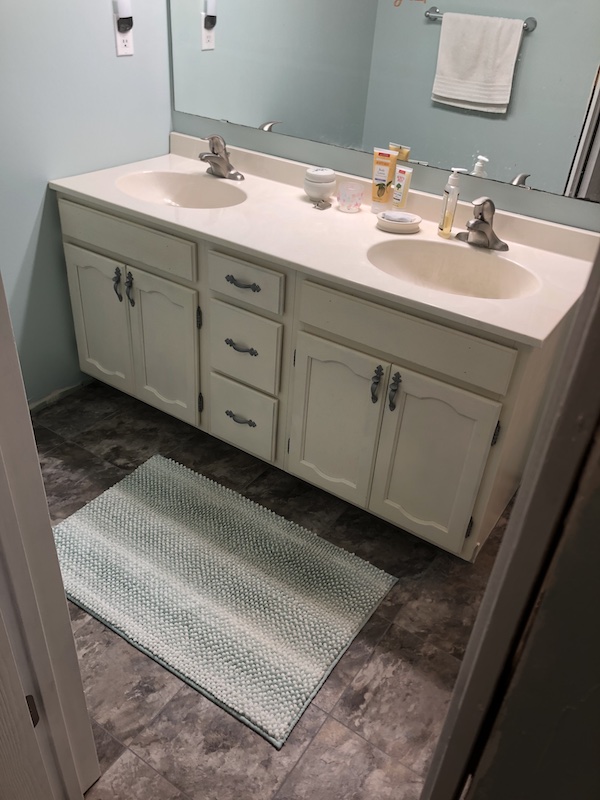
(434, 444)
(101, 319)
(165, 344)
(336, 410)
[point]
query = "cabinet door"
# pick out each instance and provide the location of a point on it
(165, 344)
(101, 319)
(334, 419)
(432, 452)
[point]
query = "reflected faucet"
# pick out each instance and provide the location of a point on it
(268, 126)
(218, 158)
(520, 179)
(480, 231)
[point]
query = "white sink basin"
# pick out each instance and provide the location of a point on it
(454, 269)
(184, 189)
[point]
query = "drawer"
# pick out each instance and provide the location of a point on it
(245, 346)
(257, 286)
(243, 416)
(426, 344)
(128, 241)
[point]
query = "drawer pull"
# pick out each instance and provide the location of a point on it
(116, 282)
(250, 350)
(128, 287)
(253, 286)
(394, 386)
(241, 420)
(375, 383)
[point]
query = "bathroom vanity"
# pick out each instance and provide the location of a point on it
(287, 332)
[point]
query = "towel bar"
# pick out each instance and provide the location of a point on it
(435, 14)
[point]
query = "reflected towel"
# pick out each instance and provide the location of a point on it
(476, 61)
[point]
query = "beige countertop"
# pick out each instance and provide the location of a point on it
(278, 222)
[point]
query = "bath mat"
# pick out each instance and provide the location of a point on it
(248, 608)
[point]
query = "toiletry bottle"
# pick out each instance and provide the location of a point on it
(402, 150)
(479, 168)
(449, 202)
(402, 180)
(384, 164)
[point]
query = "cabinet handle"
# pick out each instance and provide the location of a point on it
(116, 282)
(394, 386)
(250, 350)
(375, 383)
(253, 286)
(128, 287)
(241, 420)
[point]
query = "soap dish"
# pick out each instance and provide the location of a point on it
(398, 222)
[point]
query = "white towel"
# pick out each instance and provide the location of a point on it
(476, 61)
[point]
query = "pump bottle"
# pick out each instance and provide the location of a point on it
(449, 202)
(479, 167)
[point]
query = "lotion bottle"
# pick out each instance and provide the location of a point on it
(480, 165)
(449, 202)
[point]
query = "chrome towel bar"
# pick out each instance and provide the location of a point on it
(434, 14)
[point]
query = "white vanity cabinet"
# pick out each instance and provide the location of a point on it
(421, 420)
(394, 413)
(245, 335)
(134, 330)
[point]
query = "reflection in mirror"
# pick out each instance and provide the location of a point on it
(359, 74)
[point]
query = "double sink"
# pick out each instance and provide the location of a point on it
(447, 267)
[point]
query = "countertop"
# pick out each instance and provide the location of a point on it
(278, 221)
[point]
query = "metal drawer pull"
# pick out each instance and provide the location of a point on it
(231, 279)
(241, 420)
(375, 383)
(250, 350)
(116, 281)
(394, 386)
(128, 287)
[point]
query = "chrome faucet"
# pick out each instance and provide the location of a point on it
(480, 231)
(268, 126)
(519, 180)
(218, 158)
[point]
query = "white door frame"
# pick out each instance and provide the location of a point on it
(32, 600)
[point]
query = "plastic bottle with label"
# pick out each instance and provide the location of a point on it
(450, 199)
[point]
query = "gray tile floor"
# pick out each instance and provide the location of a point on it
(372, 728)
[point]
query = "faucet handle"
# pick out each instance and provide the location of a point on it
(484, 208)
(217, 145)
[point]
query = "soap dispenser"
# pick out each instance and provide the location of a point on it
(449, 202)
(479, 168)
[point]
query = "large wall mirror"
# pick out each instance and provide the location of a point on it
(359, 74)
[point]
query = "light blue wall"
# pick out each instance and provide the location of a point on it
(296, 61)
(68, 106)
(555, 73)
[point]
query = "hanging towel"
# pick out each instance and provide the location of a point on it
(476, 61)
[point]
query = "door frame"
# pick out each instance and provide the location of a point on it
(32, 596)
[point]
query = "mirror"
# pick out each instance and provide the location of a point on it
(359, 74)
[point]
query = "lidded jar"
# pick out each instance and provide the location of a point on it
(319, 183)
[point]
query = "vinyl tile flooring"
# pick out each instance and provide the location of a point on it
(371, 730)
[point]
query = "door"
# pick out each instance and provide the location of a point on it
(433, 448)
(100, 313)
(336, 411)
(165, 344)
(22, 772)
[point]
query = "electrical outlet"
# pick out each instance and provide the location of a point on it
(208, 36)
(124, 41)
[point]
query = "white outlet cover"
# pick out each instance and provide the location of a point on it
(207, 41)
(123, 41)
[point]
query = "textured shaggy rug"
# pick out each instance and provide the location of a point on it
(250, 609)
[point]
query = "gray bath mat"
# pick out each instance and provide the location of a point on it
(250, 609)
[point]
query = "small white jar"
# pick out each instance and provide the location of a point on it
(319, 183)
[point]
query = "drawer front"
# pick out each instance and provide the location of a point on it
(245, 346)
(127, 240)
(243, 416)
(257, 286)
(427, 344)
